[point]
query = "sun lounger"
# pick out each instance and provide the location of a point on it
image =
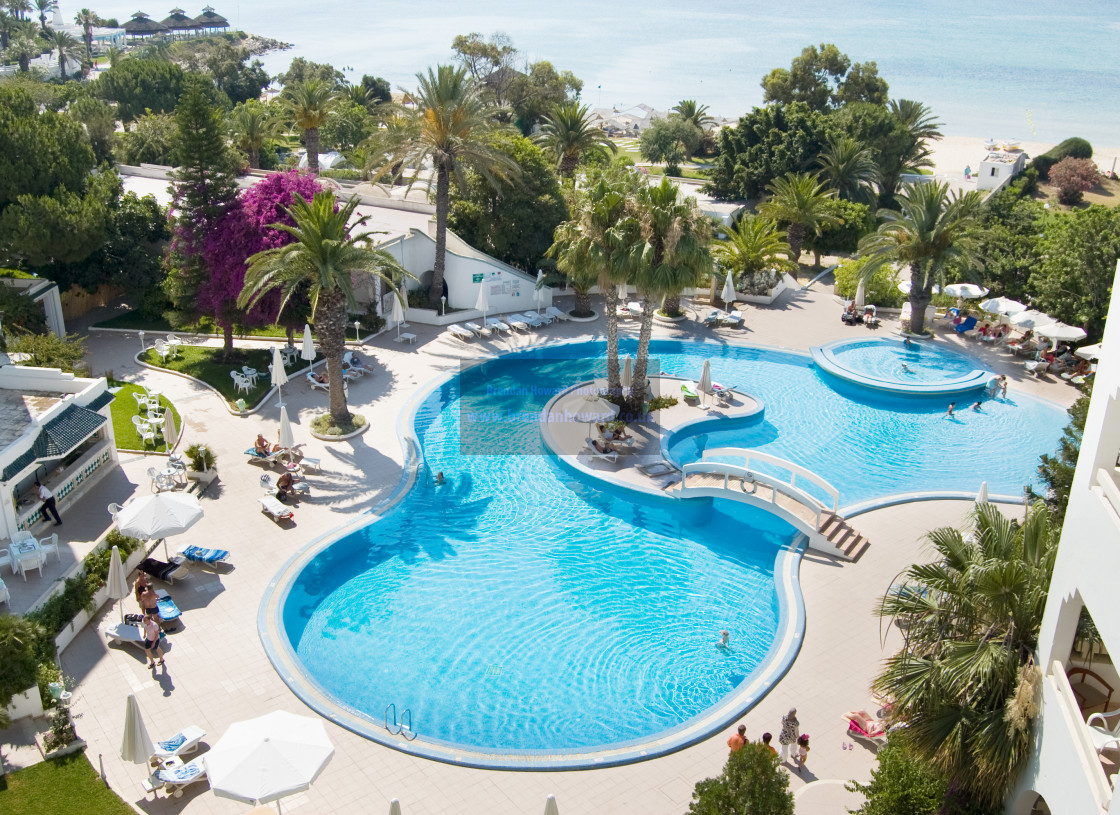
(125, 632)
(966, 326)
(265, 458)
(532, 319)
(480, 330)
(624, 311)
(207, 557)
(167, 572)
(168, 611)
(595, 452)
(185, 741)
(315, 384)
(713, 317)
(857, 729)
(497, 325)
(460, 333)
(274, 509)
(515, 321)
(173, 779)
(556, 314)
(689, 390)
(1036, 367)
(734, 319)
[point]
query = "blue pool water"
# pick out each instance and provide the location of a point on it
(891, 360)
(519, 608)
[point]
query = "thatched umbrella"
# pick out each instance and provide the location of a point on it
(141, 26)
(180, 22)
(209, 19)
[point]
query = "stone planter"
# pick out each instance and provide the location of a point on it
(591, 319)
(658, 317)
(72, 747)
(343, 437)
(203, 477)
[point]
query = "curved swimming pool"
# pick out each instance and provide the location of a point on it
(902, 367)
(523, 613)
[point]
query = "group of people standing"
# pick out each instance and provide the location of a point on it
(793, 742)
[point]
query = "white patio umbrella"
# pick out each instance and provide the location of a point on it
(728, 293)
(136, 744)
(394, 807)
(116, 582)
(159, 516)
(705, 383)
(308, 350)
(279, 375)
(550, 807)
(264, 759)
(861, 294)
(906, 285)
(606, 410)
(982, 495)
(287, 441)
(170, 431)
(539, 292)
(623, 292)
(483, 301)
(965, 291)
(1060, 332)
(1031, 319)
(1002, 305)
(1089, 351)
(627, 377)
(398, 313)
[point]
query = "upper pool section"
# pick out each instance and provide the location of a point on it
(900, 366)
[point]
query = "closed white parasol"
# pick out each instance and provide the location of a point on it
(483, 301)
(279, 375)
(308, 350)
(728, 294)
(116, 583)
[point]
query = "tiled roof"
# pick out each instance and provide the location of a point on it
(58, 437)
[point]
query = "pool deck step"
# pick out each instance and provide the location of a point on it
(849, 542)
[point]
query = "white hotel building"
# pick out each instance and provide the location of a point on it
(1077, 756)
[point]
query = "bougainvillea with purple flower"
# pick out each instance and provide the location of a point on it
(246, 230)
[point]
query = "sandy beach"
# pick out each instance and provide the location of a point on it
(953, 153)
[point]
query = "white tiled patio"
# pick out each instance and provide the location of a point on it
(217, 672)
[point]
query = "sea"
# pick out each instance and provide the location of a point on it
(1035, 70)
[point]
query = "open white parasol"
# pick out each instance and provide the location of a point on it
(1089, 351)
(1002, 305)
(1061, 332)
(906, 285)
(1031, 319)
(965, 291)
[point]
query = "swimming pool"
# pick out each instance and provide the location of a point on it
(530, 617)
(901, 367)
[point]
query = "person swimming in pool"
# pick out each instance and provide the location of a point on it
(440, 480)
(724, 639)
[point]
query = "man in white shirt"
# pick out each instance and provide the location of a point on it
(47, 497)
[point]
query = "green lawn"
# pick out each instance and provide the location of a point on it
(133, 321)
(203, 363)
(124, 407)
(62, 786)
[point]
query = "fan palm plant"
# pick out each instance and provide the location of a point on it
(68, 48)
(44, 7)
(965, 682)
(568, 134)
(674, 256)
(251, 123)
(88, 20)
(308, 104)
(451, 127)
(915, 154)
(930, 231)
(697, 114)
(850, 168)
(23, 48)
(754, 245)
(800, 201)
(326, 251)
(20, 8)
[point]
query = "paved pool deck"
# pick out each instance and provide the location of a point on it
(217, 672)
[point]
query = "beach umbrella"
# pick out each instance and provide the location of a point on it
(965, 291)
(605, 411)
(705, 383)
(540, 290)
(906, 285)
(1002, 305)
(308, 350)
(136, 744)
(398, 313)
(1089, 351)
(267, 758)
(623, 292)
(982, 496)
(170, 431)
(861, 294)
(116, 583)
(287, 440)
(1031, 319)
(627, 372)
(159, 516)
(483, 302)
(550, 807)
(728, 294)
(394, 807)
(279, 375)
(1060, 332)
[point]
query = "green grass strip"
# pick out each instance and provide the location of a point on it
(62, 786)
(205, 363)
(124, 407)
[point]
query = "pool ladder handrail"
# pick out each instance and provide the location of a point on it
(404, 726)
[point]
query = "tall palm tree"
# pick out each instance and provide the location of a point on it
(754, 245)
(327, 250)
(23, 48)
(44, 7)
(916, 154)
(68, 48)
(308, 103)
(930, 231)
(690, 111)
(20, 8)
(850, 168)
(450, 128)
(916, 118)
(598, 246)
(252, 123)
(568, 134)
(88, 20)
(674, 256)
(965, 682)
(9, 27)
(799, 200)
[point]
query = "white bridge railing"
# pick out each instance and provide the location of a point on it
(796, 470)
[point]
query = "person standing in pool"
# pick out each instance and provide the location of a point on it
(1002, 382)
(949, 412)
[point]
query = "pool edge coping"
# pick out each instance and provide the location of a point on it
(824, 358)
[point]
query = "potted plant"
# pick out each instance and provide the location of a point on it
(202, 463)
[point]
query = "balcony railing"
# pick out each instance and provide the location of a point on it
(1061, 694)
(1108, 488)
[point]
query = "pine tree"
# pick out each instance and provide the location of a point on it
(204, 191)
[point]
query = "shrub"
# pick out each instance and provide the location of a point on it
(1078, 148)
(661, 402)
(751, 783)
(882, 286)
(50, 350)
(201, 457)
(19, 663)
(322, 425)
(1073, 177)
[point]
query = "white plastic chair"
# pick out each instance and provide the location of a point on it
(141, 400)
(160, 482)
(1103, 736)
(113, 510)
(163, 350)
(146, 431)
(251, 374)
(240, 381)
(31, 561)
(6, 559)
(50, 544)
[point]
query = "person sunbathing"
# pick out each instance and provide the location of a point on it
(865, 721)
(262, 446)
(284, 486)
(320, 377)
(601, 447)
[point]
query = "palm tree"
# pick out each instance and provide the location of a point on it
(9, 27)
(44, 7)
(68, 47)
(568, 134)
(850, 168)
(916, 154)
(930, 231)
(598, 246)
(965, 682)
(690, 111)
(754, 245)
(252, 123)
(799, 200)
(23, 48)
(88, 20)
(20, 8)
(674, 255)
(308, 103)
(326, 251)
(916, 118)
(450, 128)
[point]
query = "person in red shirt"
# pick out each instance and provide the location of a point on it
(737, 740)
